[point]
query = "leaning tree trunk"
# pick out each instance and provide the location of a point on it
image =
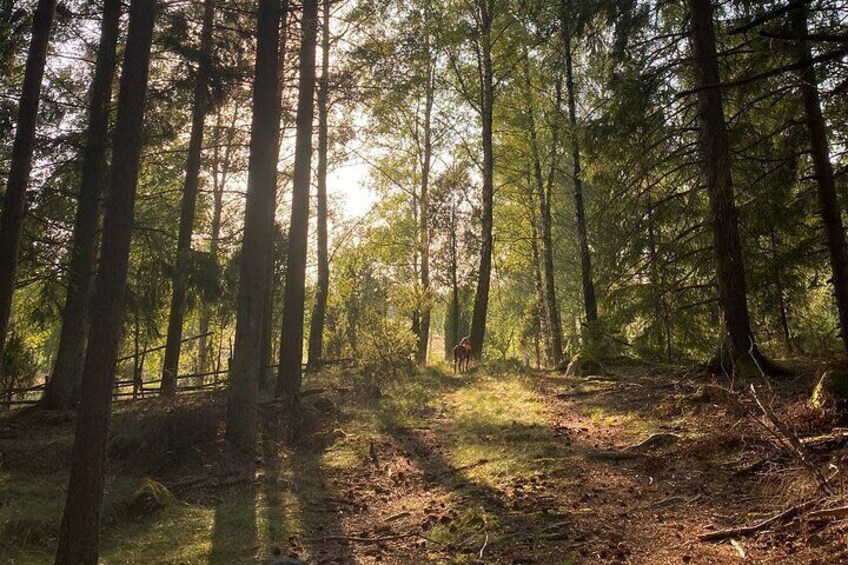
(243, 396)
(715, 148)
(481, 298)
(828, 200)
(174, 338)
(14, 199)
(590, 302)
(79, 533)
(319, 311)
(63, 389)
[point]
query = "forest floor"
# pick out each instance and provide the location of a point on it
(502, 465)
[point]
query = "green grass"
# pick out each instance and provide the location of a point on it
(500, 418)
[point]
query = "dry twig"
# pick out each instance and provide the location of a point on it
(761, 525)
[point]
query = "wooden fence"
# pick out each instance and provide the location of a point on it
(138, 389)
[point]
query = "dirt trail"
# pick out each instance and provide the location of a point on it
(502, 466)
(584, 500)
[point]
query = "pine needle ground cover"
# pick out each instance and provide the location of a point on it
(502, 465)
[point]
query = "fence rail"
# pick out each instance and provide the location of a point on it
(143, 389)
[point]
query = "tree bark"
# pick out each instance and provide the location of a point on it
(174, 337)
(715, 148)
(14, 199)
(245, 368)
(828, 200)
(453, 318)
(316, 329)
(63, 389)
(424, 203)
(781, 293)
(266, 354)
(79, 533)
(590, 302)
(541, 298)
(291, 339)
(487, 100)
(551, 308)
(220, 174)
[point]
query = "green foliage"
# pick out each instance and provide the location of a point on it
(17, 364)
(148, 497)
(386, 349)
(831, 390)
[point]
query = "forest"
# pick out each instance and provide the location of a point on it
(423, 281)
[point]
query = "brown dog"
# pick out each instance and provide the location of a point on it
(462, 356)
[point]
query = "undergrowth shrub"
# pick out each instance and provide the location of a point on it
(386, 349)
(18, 365)
(509, 366)
(156, 435)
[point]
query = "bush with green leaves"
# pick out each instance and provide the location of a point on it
(386, 348)
(18, 364)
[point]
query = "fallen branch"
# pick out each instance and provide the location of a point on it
(826, 439)
(398, 516)
(613, 455)
(455, 470)
(792, 440)
(756, 527)
(355, 539)
(654, 441)
(485, 545)
(829, 514)
(752, 467)
(224, 479)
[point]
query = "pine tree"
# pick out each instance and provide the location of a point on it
(63, 389)
(291, 339)
(319, 311)
(23, 147)
(253, 266)
(79, 534)
(189, 204)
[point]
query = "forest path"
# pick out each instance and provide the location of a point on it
(513, 467)
(501, 466)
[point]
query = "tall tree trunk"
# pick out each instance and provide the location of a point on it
(828, 200)
(424, 202)
(174, 338)
(660, 308)
(416, 313)
(64, 387)
(487, 100)
(79, 534)
(551, 309)
(14, 199)
(453, 321)
(316, 327)
(291, 339)
(220, 173)
(590, 302)
(271, 220)
(541, 298)
(245, 367)
(779, 290)
(715, 148)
